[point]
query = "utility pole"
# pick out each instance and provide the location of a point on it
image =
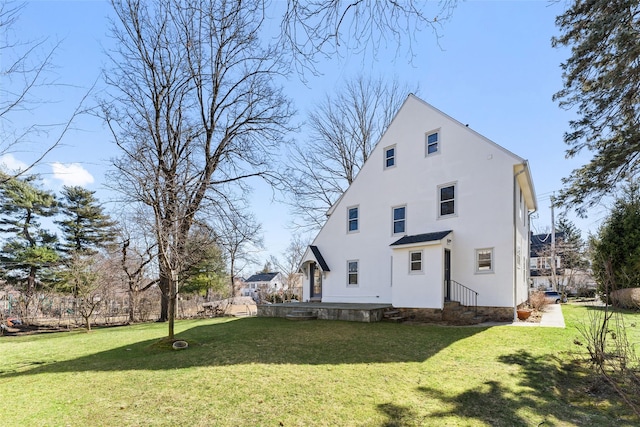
(553, 245)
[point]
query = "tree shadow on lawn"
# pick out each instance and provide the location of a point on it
(268, 341)
(553, 390)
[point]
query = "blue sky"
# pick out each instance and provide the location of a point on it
(493, 67)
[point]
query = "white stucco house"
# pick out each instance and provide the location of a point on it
(437, 211)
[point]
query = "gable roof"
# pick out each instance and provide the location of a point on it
(261, 277)
(319, 258)
(421, 238)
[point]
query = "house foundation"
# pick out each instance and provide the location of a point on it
(375, 312)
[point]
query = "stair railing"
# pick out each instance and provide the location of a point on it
(464, 295)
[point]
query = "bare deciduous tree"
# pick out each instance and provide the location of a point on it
(238, 233)
(287, 264)
(87, 277)
(135, 262)
(328, 27)
(195, 107)
(25, 71)
(343, 130)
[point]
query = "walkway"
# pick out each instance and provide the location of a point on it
(551, 318)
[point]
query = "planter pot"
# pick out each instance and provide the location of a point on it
(524, 314)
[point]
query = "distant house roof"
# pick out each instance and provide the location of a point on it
(261, 277)
(421, 238)
(319, 258)
(542, 242)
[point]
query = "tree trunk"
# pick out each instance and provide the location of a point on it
(132, 299)
(172, 307)
(164, 298)
(233, 287)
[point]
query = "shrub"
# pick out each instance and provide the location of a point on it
(538, 301)
(586, 292)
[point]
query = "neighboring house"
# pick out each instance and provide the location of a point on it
(437, 209)
(264, 282)
(561, 278)
(540, 262)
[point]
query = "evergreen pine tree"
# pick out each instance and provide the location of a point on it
(85, 227)
(28, 253)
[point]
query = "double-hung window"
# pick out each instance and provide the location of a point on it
(390, 157)
(415, 261)
(399, 219)
(484, 260)
(352, 219)
(447, 200)
(352, 273)
(432, 143)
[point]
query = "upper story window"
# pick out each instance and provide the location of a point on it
(533, 263)
(432, 143)
(484, 260)
(352, 218)
(352, 273)
(415, 261)
(390, 157)
(447, 200)
(399, 219)
(520, 207)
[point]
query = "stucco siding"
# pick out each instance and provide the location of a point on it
(483, 175)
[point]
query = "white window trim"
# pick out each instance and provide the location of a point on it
(349, 231)
(393, 220)
(456, 204)
(421, 271)
(395, 157)
(477, 261)
(426, 142)
(351, 285)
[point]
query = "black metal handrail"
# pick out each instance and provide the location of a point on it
(464, 295)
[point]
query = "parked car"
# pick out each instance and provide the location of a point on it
(554, 297)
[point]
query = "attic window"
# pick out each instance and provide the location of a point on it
(432, 143)
(352, 219)
(390, 157)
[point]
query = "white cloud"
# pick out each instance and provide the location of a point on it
(71, 174)
(10, 164)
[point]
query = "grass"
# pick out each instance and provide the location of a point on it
(272, 372)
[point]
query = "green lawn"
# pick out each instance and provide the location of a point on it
(272, 372)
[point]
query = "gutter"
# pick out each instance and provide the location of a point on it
(515, 243)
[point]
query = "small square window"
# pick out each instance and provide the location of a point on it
(484, 260)
(399, 219)
(447, 199)
(352, 273)
(352, 219)
(415, 261)
(389, 157)
(432, 142)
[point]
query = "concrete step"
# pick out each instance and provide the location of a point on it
(396, 319)
(393, 316)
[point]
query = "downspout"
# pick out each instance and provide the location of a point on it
(515, 244)
(529, 249)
